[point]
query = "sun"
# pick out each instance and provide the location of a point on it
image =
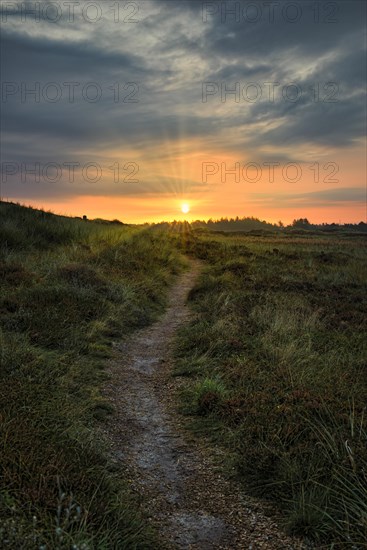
(185, 208)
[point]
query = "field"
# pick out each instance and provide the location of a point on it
(272, 363)
(276, 366)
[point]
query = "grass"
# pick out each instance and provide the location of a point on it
(68, 288)
(275, 363)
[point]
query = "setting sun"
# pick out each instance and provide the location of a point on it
(185, 208)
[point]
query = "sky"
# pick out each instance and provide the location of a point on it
(131, 109)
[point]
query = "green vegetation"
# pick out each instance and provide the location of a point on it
(275, 359)
(67, 288)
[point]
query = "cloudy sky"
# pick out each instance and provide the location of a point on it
(129, 109)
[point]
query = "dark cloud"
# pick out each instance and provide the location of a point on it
(39, 58)
(268, 30)
(336, 124)
(174, 49)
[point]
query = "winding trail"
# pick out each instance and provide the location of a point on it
(185, 496)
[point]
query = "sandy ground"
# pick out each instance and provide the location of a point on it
(184, 493)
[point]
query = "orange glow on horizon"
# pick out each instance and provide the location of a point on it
(172, 175)
(155, 210)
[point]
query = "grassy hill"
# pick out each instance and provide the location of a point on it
(67, 288)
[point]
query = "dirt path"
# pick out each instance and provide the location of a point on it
(186, 497)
